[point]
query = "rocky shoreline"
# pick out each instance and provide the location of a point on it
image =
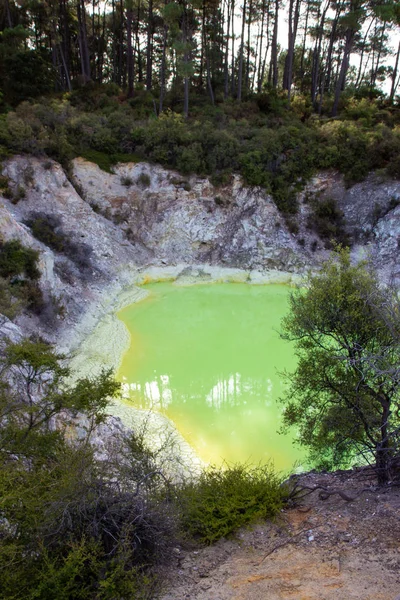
(100, 339)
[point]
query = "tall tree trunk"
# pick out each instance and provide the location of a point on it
(262, 74)
(374, 72)
(233, 50)
(332, 37)
(186, 81)
(294, 12)
(256, 57)
(340, 83)
(363, 46)
(82, 41)
(394, 77)
(129, 48)
(247, 79)
(103, 45)
(260, 49)
(138, 52)
(241, 53)
(149, 49)
(316, 57)
(113, 44)
(203, 43)
(226, 65)
(273, 68)
(65, 41)
(8, 14)
(209, 82)
(163, 67)
(303, 49)
(122, 71)
(58, 50)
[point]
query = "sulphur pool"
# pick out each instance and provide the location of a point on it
(208, 357)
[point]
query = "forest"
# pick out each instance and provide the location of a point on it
(211, 88)
(166, 52)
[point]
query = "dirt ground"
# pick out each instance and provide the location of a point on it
(320, 549)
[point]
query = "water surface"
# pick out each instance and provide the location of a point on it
(207, 356)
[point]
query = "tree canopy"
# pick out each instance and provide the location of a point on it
(216, 48)
(344, 395)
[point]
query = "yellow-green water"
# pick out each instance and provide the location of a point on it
(207, 356)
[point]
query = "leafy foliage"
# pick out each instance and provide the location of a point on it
(224, 499)
(277, 153)
(16, 260)
(47, 229)
(19, 276)
(68, 529)
(328, 221)
(344, 394)
(73, 526)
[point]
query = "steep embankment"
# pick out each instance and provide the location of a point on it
(142, 216)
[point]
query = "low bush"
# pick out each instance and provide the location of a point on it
(19, 276)
(143, 180)
(126, 181)
(16, 260)
(48, 230)
(222, 500)
(3, 182)
(10, 306)
(72, 527)
(30, 295)
(327, 220)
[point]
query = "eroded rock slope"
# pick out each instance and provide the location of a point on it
(142, 215)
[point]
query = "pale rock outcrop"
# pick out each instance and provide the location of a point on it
(362, 204)
(143, 217)
(188, 220)
(109, 255)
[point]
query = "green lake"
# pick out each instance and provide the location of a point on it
(208, 357)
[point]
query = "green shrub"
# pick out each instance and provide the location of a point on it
(143, 180)
(19, 273)
(222, 500)
(8, 193)
(9, 305)
(19, 194)
(101, 159)
(393, 168)
(3, 182)
(268, 144)
(44, 228)
(126, 181)
(327, 220)
(47, 229)
(16, 260)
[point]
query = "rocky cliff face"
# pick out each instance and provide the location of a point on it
(188, 220)
(371, 211)
(72, 282)
(143, 215)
